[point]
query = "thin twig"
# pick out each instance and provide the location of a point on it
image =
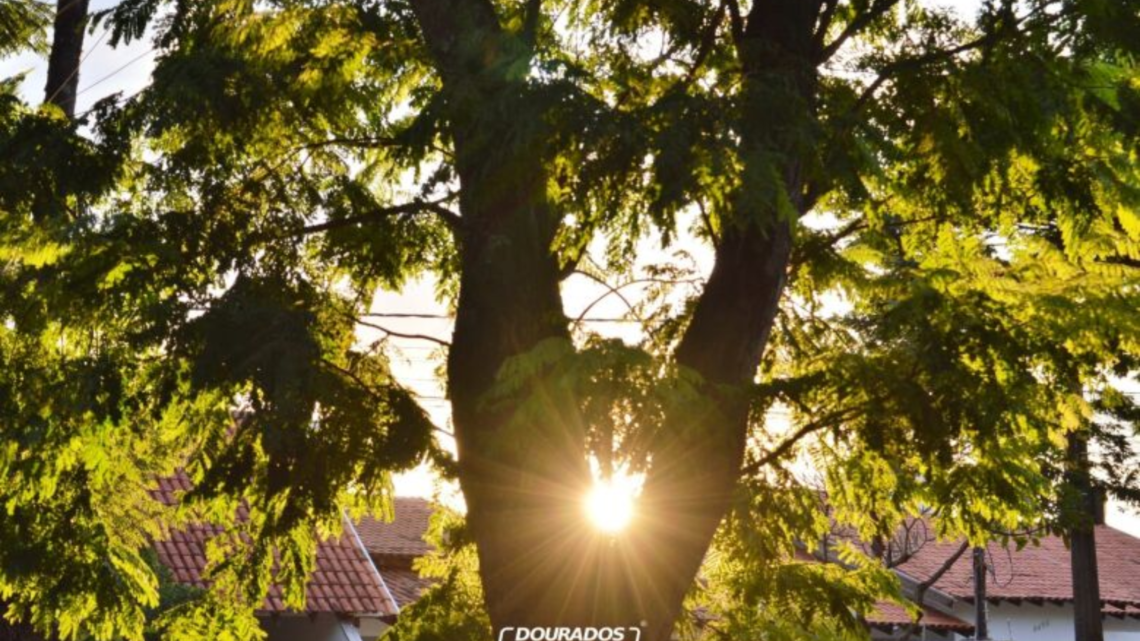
(390, 332)
(790, 442)
(612, 291)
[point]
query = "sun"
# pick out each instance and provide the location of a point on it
(611, 503)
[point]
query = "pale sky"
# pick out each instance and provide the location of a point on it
(127, 68)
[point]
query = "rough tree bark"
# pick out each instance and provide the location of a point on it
(524, 477)
(66, 52)
(1087, 621)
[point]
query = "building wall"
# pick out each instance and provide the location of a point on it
(1049, 622)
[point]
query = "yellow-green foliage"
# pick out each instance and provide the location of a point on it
(181, 272)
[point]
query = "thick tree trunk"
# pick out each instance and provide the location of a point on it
(66, 52)
(697, 465)
(1087, 620)
(524, 474)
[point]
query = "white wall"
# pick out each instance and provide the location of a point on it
(1049, 622)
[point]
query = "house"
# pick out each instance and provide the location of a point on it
(346, 597)
(890, 620)
(394, 545)
(1029, 592)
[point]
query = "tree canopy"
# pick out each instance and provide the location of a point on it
(926, 234)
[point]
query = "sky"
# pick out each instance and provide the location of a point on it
(126, 69)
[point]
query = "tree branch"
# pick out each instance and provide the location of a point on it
(708, 41)
(530, 24)
(920, 590)
(368, 142)
(390, 332)
(824, 24)
(611, 291)
(453, 220)
(824, 241)
(790, 442)
(736, 20)
(917, 62)
(860, 22)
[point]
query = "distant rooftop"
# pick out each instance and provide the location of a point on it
(403, 536)
(396, 544)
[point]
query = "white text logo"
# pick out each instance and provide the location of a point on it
(570, 634)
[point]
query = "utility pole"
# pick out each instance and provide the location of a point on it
(1087, 622)
(981, 609)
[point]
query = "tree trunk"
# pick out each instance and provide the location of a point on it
(524, 475)
(1087, 620)
(981, 610)
(66, 52)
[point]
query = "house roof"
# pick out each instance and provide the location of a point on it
(400, 539)
(1037, 572)
(887, 615)
(393, 545)
(890, 615)
(405, 585)
(343, 582)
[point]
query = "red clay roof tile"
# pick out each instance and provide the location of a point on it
(339, 561)
(1037, 572)
(405, 585)
(404, 535)
(888, 614)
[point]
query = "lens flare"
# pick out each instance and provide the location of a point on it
(610, 504)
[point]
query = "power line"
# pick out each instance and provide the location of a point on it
(115, 72)
(81, 60)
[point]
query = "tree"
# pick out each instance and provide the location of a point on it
(21, 25)
(66, 52)
(303, 154)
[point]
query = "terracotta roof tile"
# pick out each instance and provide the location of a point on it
(404, 535)
(1037, 572)
(888, 614)
(405, 585)
(339, 562)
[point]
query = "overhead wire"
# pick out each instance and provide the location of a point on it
(83, 59)
(116, 71)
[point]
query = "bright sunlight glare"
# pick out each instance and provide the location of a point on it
(610, 504)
